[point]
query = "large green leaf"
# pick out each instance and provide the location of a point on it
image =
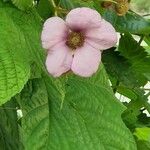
(119, 68)
(143, 134)
(143, 138)
(23, 4)
(131, 22)
(128, 84)
(9, 131)
(14, 69)
(25, 29)
(45, 9)
(67, 113)
(136, 54)
(134, 116)
(73, 113)
(130, 116)
(129, 81)
(30, 25)
(35, 121)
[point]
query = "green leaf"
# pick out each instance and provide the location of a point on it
(144, 120)
(14, 69)
(30, 25)
(133, 116)
(142, 145)
(147, 40)
(70, 4)
(143, 98)
(131, 22)
(23, 4)
(9, 130)
(143, 138)
(73, 113)
(126, 92)
(35, 121)
(130, 115)
(25, 49)
(45, 9)
(143, 133)
(136, 54)
(118, 67)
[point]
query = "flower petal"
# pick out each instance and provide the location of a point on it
(83, 18)
(54, 31)
(86, 61)
(103, 37)
(59, 60)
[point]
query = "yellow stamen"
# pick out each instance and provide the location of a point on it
(75, 40)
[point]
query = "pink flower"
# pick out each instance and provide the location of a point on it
(75, 44)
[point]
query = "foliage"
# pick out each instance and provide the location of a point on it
(142, 5)
(23, 4)
(71, 112)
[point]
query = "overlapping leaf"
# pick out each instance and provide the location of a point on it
(73, 113)
(143, 138)
(45, 9)
(118, 67)
(131, 22)
(14, 69)
(9, 129)
(23, 4)
(136, 54)
(18, 49)
(35, 121)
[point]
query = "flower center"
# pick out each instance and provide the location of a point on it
(75, 40)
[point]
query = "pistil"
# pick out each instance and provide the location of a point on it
(75, 40)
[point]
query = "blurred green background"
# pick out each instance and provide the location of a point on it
(141, 6)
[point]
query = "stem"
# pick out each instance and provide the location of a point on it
(54, 6)
(64, 11)
(146, 15)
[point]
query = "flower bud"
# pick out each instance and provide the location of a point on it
(122, 7)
